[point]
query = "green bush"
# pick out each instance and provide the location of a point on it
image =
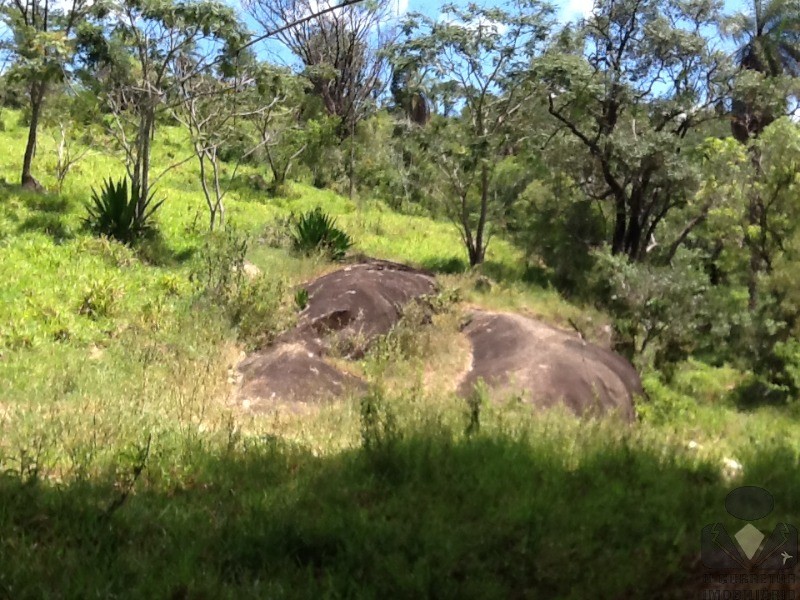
(551, 222)
(219, 271)
(316, 231)
(277, 233)
(659, 312)
(776, 376)
(662, 404)
(260, 309)
(115, 213)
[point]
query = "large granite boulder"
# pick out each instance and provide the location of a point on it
(516, 355)
(348, 308)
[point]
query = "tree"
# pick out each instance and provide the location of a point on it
(43, 45)
(727, 240)
(278, 124)
(218, 111)
(211, 110)
(408, 97)
(155, 49)
(74, 123)
(631, 88)
(768, 40)
(481, 55)
(341, 51)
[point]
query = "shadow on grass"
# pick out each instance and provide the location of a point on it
(155, 251)
(51, 224)
(45, 203)
(754, 393)
(447, 266)
(502, 272)
(425, 516)
(48, 214)
(498, 271)
(254, 187)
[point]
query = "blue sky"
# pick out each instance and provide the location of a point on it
(567, 10)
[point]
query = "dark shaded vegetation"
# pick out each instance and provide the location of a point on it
(428, 514)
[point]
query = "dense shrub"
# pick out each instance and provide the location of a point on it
(220, 268)
(553, 224)
(323, 158)
(259, 307)
(391, 165)
(659, 312)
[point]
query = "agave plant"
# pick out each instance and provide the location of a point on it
(316, 231)
(301, 299)
(118, 214)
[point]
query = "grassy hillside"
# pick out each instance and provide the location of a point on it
(128, 471)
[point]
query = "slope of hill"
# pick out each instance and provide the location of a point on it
(128, 471)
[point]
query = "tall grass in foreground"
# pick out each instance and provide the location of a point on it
(197, 508)
(156, 486)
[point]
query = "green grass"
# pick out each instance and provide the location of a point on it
(128, 471)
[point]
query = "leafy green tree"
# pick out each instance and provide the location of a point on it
(482, 55)
(632, 88)
(153, 50)
(392, 163)
(42, 46)
(724, 238)
(407, 93)
(774, 241)
(552, 221)
(323, 157)
(658, 311)
(768, 40)
(278, 123)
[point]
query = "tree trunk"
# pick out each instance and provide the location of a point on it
(620, 225)
(145, 146)
(753, 220)
(37, 99)
(480, 250)
(633, 235)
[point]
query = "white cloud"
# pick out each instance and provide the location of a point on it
(577, 9)
(400, 7)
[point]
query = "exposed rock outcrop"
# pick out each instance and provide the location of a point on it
(515, 355)
(349, 309)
